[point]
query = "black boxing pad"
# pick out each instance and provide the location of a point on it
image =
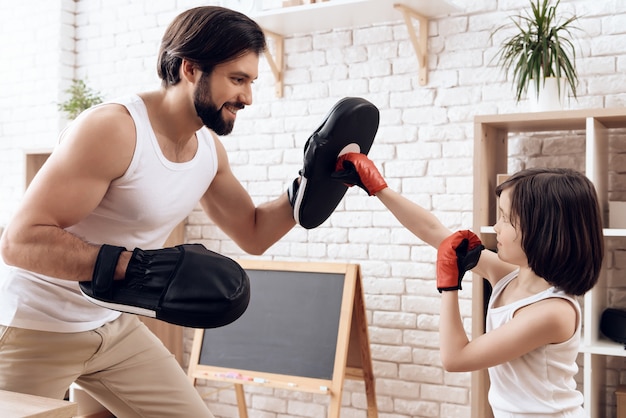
(613, 324)
(186, 285)
(350, 126)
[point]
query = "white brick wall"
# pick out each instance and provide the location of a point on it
(37, 54)
(424, 148)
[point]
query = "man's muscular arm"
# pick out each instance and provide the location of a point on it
(95, 150)
(228, 204)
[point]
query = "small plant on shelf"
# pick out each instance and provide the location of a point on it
(540, 48)
(81, 98)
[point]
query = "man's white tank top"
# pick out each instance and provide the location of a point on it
(540, 383)
(140, 209)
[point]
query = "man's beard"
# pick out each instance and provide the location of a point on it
(208, 112)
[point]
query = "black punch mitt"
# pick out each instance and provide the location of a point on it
(613, 324)
(185, 285)
(350, 126)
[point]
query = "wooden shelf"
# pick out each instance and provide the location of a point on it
(561, 120)
(608, 232)
(491, 133)
(338, 14)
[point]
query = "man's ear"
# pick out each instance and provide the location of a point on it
(189, 71)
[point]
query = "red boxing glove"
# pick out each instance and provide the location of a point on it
(355, 168)
(457, 254)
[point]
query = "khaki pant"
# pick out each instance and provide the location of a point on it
(121, 364)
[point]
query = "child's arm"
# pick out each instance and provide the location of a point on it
(550, 321)
(537, 325)
(415, 218)
(358, 169)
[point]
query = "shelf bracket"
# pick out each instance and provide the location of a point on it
(420, 43)
(276, 62)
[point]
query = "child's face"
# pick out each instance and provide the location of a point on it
(508, 236)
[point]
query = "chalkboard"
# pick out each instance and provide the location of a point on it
(305, 329)
(290, 326)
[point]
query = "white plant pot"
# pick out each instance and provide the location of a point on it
(549, 97)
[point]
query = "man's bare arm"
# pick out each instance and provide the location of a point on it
(96, 149)
(229, 205)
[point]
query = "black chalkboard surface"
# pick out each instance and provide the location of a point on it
(305, 329)
(290, 326)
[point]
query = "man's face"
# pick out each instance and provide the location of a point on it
(208, 111)
(226, 90)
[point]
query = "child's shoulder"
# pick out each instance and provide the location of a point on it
(555, 316)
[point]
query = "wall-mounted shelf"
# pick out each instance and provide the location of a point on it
(338, 14)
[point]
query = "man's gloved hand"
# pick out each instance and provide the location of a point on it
(354, 168)
(457, 254)
(185, 285)
(351, 124)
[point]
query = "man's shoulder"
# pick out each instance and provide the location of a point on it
(108, 115)
(108, 123)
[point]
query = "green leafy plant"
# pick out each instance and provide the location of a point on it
(81, 98)
(541, 48)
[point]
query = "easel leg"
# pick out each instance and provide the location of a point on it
(372, 407)
(366, 355)
(241, 401)
(335, 405)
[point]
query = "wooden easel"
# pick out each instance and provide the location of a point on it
(359, 364)
(352, 356)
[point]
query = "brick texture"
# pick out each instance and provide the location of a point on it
(424, 148)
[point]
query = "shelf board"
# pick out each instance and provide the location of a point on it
(337, 14)
(614, 232)
(604, 347)
(334, 14)
(560, 120)
(608, 232)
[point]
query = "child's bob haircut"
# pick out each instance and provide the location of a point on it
(556, 211)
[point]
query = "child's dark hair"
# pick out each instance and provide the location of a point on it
(207, 36)
(558, 214)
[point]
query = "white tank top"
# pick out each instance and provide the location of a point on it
(140, 209)
(540, 383)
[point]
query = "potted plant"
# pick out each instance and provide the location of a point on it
(81, 98)
(540, 49)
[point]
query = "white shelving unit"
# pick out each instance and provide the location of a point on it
(491, 158)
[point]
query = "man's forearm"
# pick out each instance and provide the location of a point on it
(51, 251)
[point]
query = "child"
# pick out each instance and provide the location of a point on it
(549, 250)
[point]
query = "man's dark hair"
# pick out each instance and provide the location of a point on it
(207, 36)
(558, 214)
